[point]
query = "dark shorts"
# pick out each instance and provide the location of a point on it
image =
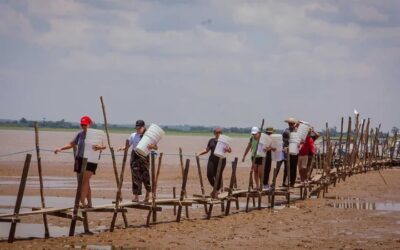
(259, 160)
(90, 166)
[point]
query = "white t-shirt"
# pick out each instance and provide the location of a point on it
(134, 140)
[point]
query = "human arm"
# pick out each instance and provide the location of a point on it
(67, 146)
(228, 149)
(317, 135)
(152, 146)
(204, 152)
(246, 151)
(99, 147)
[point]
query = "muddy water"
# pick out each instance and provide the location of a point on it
(15, 140)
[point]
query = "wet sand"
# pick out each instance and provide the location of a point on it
(313, 223)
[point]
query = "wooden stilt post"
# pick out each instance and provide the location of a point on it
(260, 188)
(153, 186)
(158, 169)
(201, 182)
(20, 195)
(174, 196)
(181, 161)
(183, 190)
(77, 198)
(114, 164)
(119, 195)
(109, 141)
(39, 162)
(340, 150)
(366, 139)
(347, 156)
(231, 186)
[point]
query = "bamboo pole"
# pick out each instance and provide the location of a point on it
(39, 163)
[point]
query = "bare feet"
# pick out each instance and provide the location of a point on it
(146, 198)
(135, 198)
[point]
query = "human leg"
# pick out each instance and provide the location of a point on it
(267, 170)
(293, 168)
(85, 188)
(211, 172)
(302, 163)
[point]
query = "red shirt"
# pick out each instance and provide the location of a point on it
(308, 147)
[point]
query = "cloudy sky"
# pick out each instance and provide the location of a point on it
(228, 63)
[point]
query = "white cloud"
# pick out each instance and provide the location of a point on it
(14, 23)
(369, 13)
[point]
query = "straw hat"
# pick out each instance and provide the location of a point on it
(291, 120)
(269, 130)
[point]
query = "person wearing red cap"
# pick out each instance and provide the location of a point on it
(79, 141)
(212, 164)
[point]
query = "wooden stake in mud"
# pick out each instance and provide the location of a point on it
(181, 159)
(376, 150)
(366, 139)
(183, 190)
(20, 195)
(158, 170)
(340, 142)
(182, 169)
(231, 186)
(77, 198)
(153, 185)
(109, 142)
(119, 195)
(348, 138)
(39, 162)
(201, 181)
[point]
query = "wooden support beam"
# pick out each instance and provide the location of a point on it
(201, 181)
(21, 190)
(183, 190)
(39, 164)
(231, 186)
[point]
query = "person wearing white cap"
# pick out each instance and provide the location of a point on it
(258, 161)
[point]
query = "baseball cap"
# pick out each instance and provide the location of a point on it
(139, 123)
(85, 120)
(254, 130)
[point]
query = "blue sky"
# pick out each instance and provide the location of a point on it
(228, 63)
